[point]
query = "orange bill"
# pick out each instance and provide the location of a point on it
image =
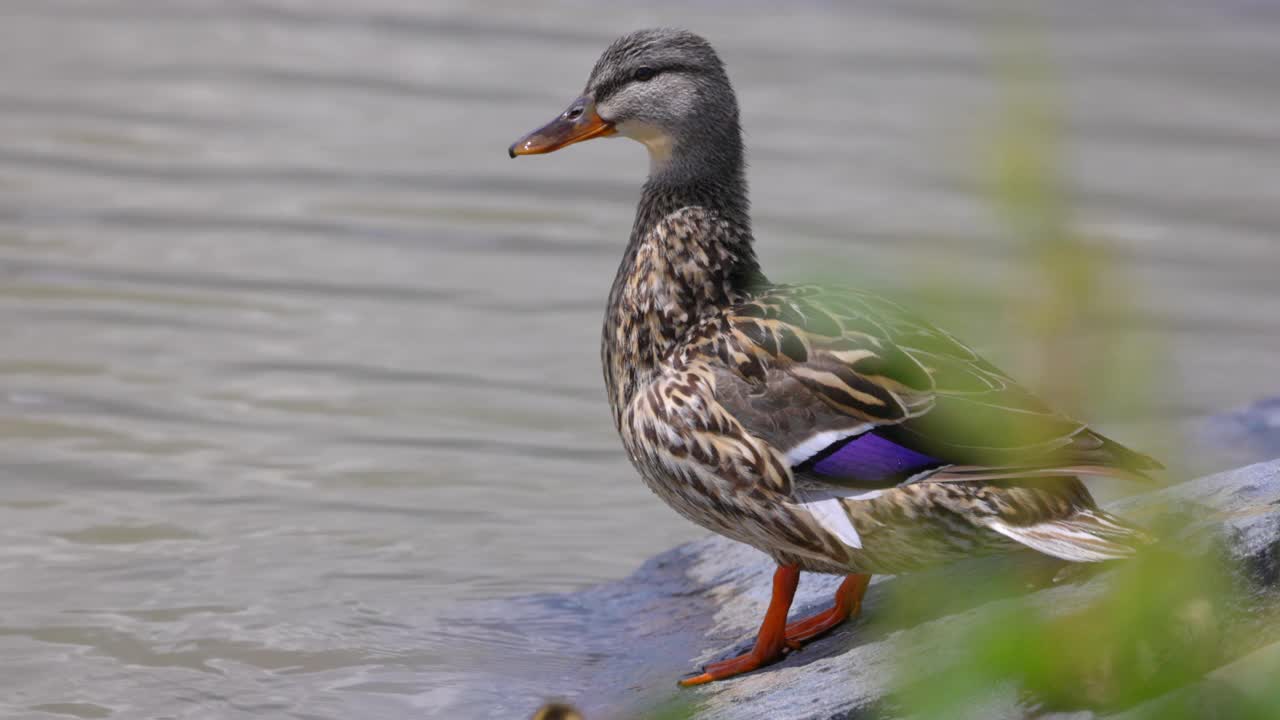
(579, 122)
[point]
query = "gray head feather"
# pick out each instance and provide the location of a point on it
(668, 89)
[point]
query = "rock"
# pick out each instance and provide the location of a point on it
(617, 649)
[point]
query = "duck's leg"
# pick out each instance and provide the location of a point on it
(771, 639)
(847, 605)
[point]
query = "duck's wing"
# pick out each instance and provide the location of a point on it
(858, 393)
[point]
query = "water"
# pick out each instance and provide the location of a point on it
(295, 359)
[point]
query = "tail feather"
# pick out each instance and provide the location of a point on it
(1087, 536)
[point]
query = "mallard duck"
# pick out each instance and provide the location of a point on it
(827, 427)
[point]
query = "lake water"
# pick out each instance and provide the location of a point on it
(295, 358)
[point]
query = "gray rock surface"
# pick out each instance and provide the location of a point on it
(617, 649)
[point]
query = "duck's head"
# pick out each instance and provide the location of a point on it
(664, 88)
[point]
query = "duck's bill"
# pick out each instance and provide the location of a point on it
(579, 122)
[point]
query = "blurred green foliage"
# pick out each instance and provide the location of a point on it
(1153, 624)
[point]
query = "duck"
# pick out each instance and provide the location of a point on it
(828, 427)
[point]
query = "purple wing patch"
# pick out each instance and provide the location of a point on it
(871, 458)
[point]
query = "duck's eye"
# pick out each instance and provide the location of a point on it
(644, 74)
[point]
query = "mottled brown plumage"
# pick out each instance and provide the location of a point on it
(825, 426)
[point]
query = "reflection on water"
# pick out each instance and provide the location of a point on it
(295, 358)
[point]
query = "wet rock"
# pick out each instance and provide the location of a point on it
(617, 649)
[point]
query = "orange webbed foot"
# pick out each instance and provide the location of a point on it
(776, 636)
(733, 666)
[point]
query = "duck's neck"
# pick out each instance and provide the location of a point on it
(689, 257)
